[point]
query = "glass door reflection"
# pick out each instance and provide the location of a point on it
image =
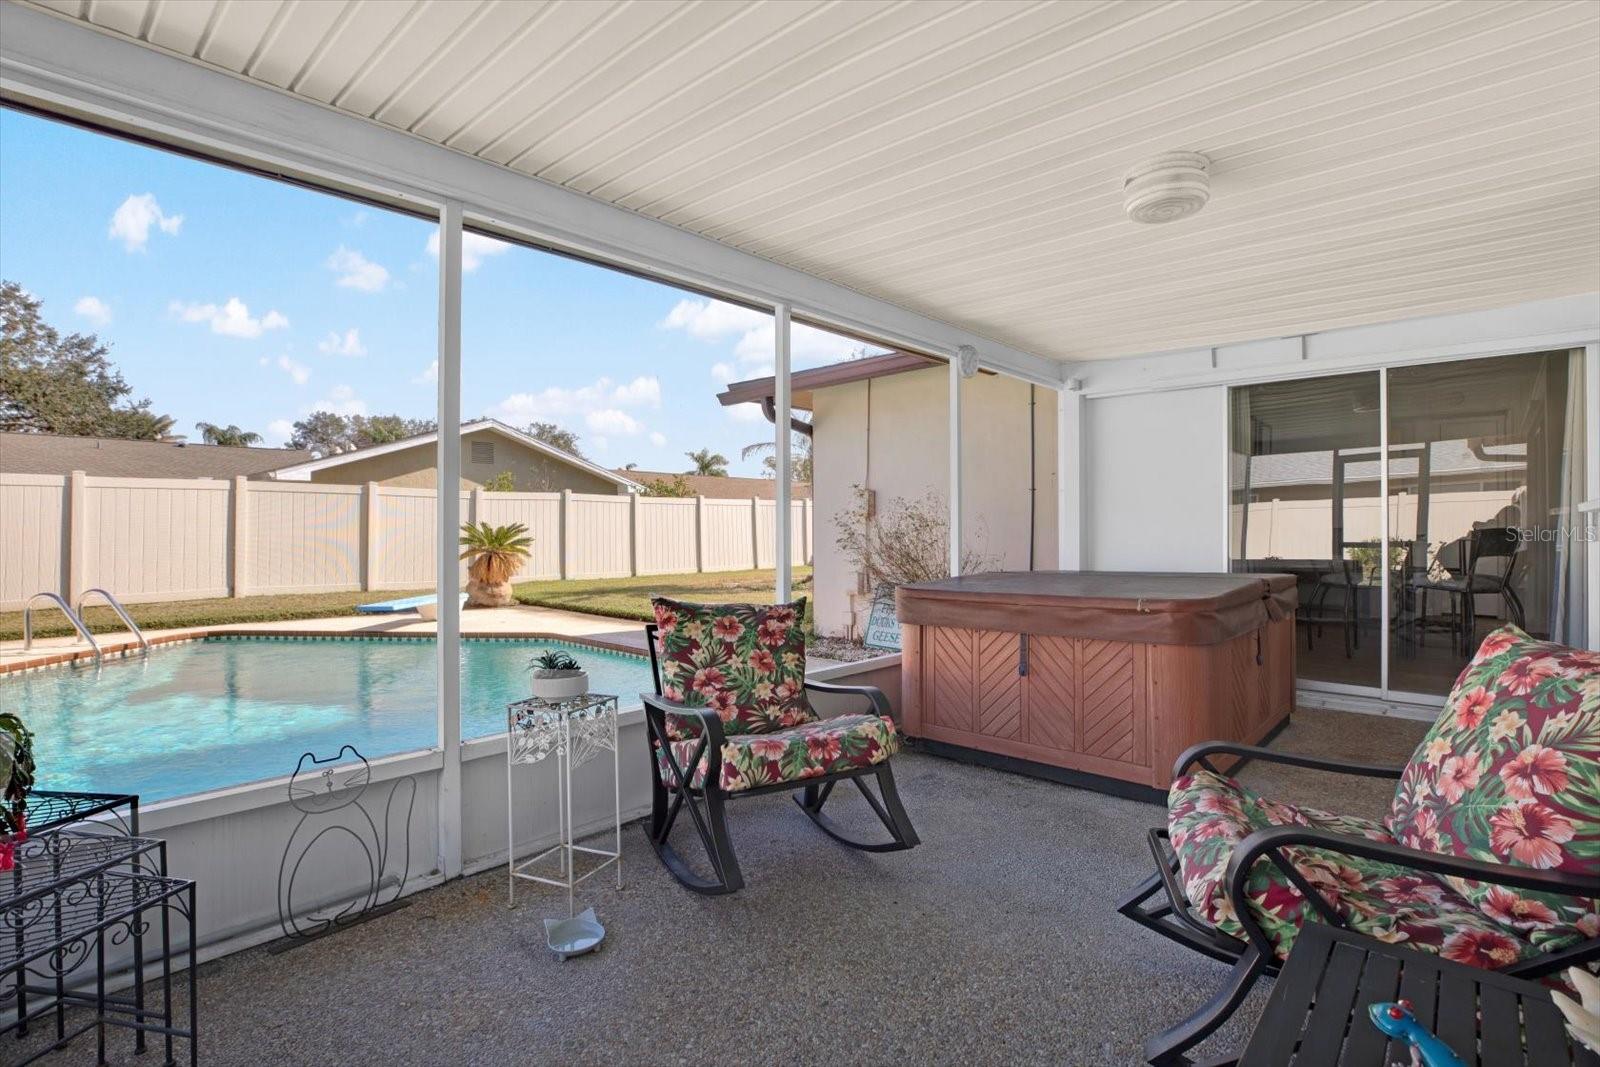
(1486, 464)
(1307, 500)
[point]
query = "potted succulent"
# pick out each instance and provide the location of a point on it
(16, 779)
(557, 676)
(493, 555)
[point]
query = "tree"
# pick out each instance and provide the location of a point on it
(230, 435)
(326, 432)
(708, 463)
(500, 482)
(322, 432)
(799, 456)
(63, 385)
(554, 435)
(678, 486)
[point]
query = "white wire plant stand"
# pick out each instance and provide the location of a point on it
(574, 731)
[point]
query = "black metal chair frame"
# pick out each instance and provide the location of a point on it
(707, 803)
(1460, 589)
(1344, 576)
(1159, 903)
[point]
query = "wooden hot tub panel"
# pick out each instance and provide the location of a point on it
(1116, 709)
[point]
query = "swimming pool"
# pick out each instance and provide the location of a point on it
(223, 711)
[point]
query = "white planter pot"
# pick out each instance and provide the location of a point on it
(560, 685)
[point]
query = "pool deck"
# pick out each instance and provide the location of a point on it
(521, 621)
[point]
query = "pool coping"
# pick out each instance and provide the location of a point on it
(122, 649)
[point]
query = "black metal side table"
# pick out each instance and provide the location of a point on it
(1317, 1013)
(79, 891)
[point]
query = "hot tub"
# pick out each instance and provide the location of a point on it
(1100, 679)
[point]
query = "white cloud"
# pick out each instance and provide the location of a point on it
(711, 320)
(658, 439)
(94, 309)
(745, 413)
(132, 220)
(475, 248)
(280, 430)
(232, 319)
(612, 421)
(345, 344)
(298, 372)
(429, 376)
(752, 334)
(557, 403)
(356, 271)
(342, 400)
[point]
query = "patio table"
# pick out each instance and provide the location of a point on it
(1317, 1014)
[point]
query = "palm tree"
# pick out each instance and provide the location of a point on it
(708, 463)
(799, 456)
(229, 435)
(493, 555)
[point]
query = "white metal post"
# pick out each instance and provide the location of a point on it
(1587, 522)
(447, 577)
(1070, 472)
(781, 519)
(955, 466)
(1383, 535)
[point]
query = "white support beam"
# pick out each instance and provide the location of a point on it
(64, 66)
(1590, 523)
(782, 438)
(1070, 471)
(447, 578)
(955, 467)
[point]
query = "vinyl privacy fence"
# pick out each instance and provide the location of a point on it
(149, 539)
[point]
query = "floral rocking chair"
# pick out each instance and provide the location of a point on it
(1490, 854)
(730, 718)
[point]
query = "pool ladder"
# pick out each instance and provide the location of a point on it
(76, 619)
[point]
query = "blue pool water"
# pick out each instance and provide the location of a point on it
(224, 711)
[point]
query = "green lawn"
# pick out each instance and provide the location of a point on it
(622, 598)
(176, 614)
(629, 598)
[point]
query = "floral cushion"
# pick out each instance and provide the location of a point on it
(1510, 773)
(1209, 814)
(818, 747)
(748, 661)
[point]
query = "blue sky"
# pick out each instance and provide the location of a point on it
(230, 298)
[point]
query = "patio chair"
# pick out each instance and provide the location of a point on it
(730, 718)
(1490, 854)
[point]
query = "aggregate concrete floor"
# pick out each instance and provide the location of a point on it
(994, 942)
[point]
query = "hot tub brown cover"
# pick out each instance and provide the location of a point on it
(1157, 609)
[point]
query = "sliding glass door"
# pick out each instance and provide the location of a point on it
(1306, 501)
(1473, 523)
(1486, 467)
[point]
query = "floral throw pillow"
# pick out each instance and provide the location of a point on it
(1510, 773)
(748, 661)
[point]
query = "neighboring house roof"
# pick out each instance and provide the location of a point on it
(303, 471)
(802, 383)
(1449, 458)
(112, 457)
(724, 488)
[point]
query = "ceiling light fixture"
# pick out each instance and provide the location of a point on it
(1171, 186)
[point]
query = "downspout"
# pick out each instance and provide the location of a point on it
(769, 408)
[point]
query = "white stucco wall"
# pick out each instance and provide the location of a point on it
(900, 448)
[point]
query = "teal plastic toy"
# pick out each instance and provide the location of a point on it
(1396, 1020)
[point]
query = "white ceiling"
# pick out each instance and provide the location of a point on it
(1372, 161)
